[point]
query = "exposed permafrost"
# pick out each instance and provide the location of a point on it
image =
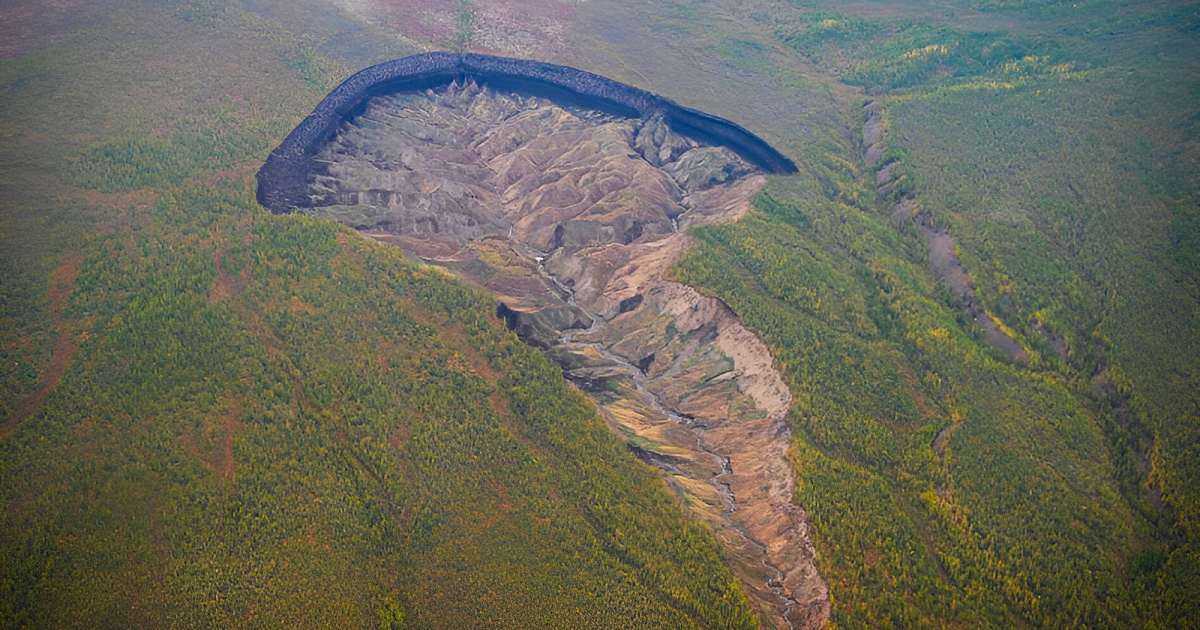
(282, 180)
(697, 367)
(753, 448)
(715, 382)
(572, 217)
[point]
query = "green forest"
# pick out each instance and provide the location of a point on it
(949, 485)
(215, 417)
(272, 422)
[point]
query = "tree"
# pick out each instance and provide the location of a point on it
(466, 26)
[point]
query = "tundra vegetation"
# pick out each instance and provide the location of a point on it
(216, 417)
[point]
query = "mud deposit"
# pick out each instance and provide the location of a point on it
(571, 216)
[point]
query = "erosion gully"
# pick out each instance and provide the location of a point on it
(640, 383)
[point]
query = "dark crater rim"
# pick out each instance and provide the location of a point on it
(283, 179)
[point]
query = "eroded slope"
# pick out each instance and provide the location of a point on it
(572, 218)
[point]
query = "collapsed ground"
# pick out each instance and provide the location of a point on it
(572, 218)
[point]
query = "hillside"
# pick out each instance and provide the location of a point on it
(216, 417)
(962, 339)
(990, 324)
(571, 217)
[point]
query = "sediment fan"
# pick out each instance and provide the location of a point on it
(283, 180)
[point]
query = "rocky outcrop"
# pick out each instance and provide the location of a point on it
(571, 217)
(282, 181)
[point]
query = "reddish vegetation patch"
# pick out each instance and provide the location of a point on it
(244, 172)
(527, 28)
(297, 306)
(502, 498)
(25, 344)
(110, 212)
(62, 282)
(220, 460)
(469, 359)
(224, 286)
(457, 337)
(344, 245)
(426, 19)
(302, 396)
(16, 505)
(398, 437)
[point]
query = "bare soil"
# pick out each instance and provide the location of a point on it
(485, 184)
(571, 216)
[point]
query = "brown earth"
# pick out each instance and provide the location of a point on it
(710, 375)
(224, 286)
(27, 26)
(219, 459)
(62, 283)
(572, 218)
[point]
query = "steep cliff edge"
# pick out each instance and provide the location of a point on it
(281, 181)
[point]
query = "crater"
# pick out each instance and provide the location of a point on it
(282, 180)
(568, 196)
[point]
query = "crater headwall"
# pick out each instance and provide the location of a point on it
(283, 180)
